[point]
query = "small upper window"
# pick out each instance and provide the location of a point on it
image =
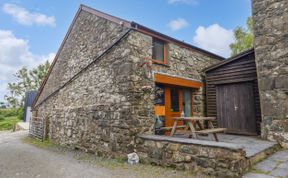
(158, 52)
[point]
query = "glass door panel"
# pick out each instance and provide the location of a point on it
(174, 95)
(187, 103)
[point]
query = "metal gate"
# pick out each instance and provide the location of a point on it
(37, 127)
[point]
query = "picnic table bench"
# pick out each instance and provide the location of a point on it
(191, 122)
(170, 128)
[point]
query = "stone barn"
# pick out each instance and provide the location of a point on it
(111, 78)
(100, 90)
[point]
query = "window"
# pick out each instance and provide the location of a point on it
(158, 52)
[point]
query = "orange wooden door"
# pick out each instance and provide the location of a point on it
(173, 104)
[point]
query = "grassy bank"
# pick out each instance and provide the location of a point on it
(8, 118)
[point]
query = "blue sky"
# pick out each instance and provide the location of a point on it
(32, 30)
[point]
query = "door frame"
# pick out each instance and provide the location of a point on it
(221, 122)
(168, 113)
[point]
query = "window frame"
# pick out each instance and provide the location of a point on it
(165, 43)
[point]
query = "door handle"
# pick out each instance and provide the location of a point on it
(235, 108)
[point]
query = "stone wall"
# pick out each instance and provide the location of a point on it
(94, 112)
(271, 49)
(85, 42)
(181, 62)
(107, 105)
(193, 155)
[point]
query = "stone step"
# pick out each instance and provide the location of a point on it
(263, 154)
(274, 166)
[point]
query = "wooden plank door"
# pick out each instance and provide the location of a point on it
(173, 104)
(236, 108)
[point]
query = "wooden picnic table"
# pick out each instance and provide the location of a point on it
(191, 122)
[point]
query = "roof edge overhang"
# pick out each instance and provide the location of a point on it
(176, 80)
(231, 59)
(106, 16)
(146, 30)
(151, 32)
(56, 57)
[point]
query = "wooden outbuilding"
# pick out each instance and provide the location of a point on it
(232, 94)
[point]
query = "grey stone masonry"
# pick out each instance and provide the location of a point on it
(208, 157)
(111, 101)
(181, 62)
(87, 40)
(271, 49)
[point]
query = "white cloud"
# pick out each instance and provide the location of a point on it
(191, 2)
(178, 24)
(215, 39)
(27, 18)
(15, 53)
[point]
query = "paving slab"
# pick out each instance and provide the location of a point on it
(275, 165)
(280, 156)
(255, 175)
(266, 165)
(280, 172)
(283, 165)
(251, 144)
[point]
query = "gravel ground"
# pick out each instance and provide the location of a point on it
(19, 159)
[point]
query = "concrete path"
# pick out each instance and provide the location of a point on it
(22, 126)
(22, 160)
(272, 167)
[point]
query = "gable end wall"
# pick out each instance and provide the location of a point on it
(86, 41)
(95, 111)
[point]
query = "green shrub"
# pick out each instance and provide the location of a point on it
(12, 112)
(9, 112)
(2, 117)
(20, 114)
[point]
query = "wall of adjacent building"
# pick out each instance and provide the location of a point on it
(271, 48)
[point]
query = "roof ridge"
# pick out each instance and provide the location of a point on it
(228, 60)
(106, 16)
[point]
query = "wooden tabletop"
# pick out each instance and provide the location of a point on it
(197, 118)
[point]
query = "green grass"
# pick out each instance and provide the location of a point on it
(9, 118)
(8, 123)
(254, 170)
(38, 143)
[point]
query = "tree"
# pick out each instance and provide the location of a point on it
(244, 38)
(26, 80)
(2, 105)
